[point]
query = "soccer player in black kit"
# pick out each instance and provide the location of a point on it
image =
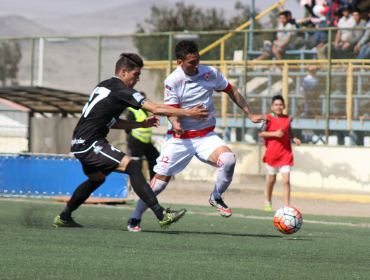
(98, 157)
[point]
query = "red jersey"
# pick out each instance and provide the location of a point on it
(278, 150)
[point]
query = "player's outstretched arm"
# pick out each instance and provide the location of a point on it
(196, 112)
(123, 124)
(240, 101)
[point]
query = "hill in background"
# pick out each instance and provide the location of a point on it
(18, 26)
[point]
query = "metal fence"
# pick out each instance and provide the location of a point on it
(337, 104)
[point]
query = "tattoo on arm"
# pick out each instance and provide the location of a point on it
(239, 100)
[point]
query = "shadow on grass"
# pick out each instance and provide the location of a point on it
(213, 233)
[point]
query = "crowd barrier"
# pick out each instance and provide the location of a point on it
(52, 176)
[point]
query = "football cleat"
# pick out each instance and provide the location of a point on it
(171, 216)
(58, 222)
(220, 205)
(268, 206)
(133, 225)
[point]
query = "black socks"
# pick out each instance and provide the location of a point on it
(142, 188)
(79, 196)
(158, 211)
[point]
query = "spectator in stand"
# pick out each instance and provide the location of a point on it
(311, 93)
(348, 45)
(334, 21)
(333, 6)
(363, 5)
(285, 39)
(342, 36)
(319, 37)
(363, 46)
(309, 4)
(292, 20)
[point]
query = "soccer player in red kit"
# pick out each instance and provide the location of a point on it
(278, 156)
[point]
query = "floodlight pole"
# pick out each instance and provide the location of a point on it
(170, 42)
(99, 59)
(328, 88)
(244, 89)
(41, 63)
(251, 26)
(32, 60)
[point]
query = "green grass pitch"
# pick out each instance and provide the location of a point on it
(198, 247)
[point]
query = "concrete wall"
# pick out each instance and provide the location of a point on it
(314, 167)
(331, 167)
(53, 135)
(248, 165)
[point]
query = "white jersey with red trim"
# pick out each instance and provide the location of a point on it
(185, 92)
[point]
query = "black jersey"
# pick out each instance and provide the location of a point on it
(106, 103)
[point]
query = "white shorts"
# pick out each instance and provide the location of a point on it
(177, 153)
(272, 170)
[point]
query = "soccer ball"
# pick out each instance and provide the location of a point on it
(288, 220)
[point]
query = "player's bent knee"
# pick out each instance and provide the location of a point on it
(121, 168)
(96, 176)
(132, 165)
(227, 161)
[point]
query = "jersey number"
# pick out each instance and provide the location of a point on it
(98, 94)
(165, 159)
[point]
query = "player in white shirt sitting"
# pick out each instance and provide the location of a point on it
(189, 85)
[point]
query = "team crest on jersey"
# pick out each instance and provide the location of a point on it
(207, 75)
(137, 96)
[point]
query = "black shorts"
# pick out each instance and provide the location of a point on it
(99, 156)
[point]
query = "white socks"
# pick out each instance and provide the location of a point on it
(157, 186)
(226, 163)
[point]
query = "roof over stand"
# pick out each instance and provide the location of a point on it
(45, 100)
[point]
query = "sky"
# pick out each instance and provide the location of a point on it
(34, 9)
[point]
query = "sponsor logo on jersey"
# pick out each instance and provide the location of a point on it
(180, 81)
(77, 141)
(207, 75)
(168, 87)
(137, 96)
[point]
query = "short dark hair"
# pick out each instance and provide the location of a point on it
(338, 13)
(357, 10)
(284, 13)
(347, 8)
(183, 48)
(288, 13)
(277, 97)
(130, 61)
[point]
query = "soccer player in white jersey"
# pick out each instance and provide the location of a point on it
(189, 85)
